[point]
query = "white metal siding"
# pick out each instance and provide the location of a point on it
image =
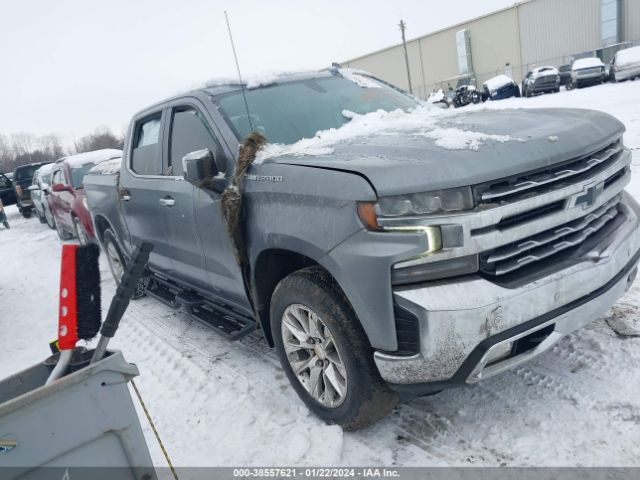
(631, 21)
(551, 31)
(433, 58)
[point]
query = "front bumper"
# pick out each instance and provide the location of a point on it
(466, 323)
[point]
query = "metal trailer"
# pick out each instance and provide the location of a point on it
(81, 426)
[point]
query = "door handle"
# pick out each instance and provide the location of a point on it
(167, 202)
(123, 193)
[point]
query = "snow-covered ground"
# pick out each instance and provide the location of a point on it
(221, 403)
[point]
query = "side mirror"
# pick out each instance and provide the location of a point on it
(33, 188)
(59, 187)
(200, 169)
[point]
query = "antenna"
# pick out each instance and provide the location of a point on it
(235, 55)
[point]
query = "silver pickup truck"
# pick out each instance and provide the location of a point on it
(389, 265)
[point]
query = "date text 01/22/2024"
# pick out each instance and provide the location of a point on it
(315, 473)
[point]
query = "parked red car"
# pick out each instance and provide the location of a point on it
(67, 200)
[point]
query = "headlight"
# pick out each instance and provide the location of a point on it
(438, 201)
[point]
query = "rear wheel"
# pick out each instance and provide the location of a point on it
(114, 255)
(49, 218)
(325, 352)
(81, 232)
(25, 212)
(117, 263)
(41, 217)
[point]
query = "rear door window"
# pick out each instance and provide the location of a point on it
(189, 132)
(4, 182)
(145, 157)
(59, 177)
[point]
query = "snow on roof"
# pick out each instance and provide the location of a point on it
(498, 82)
(260, 80)
(423, 121)
(359, 77)
(107, 167)
(92, 157)
(628, 56)
(543, 71)
(267, 78)
(591, 62)
(46, 168)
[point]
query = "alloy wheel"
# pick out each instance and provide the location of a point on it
(313, 355)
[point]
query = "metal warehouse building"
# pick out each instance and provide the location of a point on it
(511, 41)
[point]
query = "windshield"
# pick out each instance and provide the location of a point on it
(78, 173)
(288, 112)
(25, 173)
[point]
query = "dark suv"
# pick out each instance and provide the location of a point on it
(7, 195)
(22, 178)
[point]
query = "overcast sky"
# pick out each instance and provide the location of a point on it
(69, 66)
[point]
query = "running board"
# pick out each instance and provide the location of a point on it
(227, 323)
(162, 293)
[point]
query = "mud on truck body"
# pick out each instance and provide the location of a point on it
(385, 266)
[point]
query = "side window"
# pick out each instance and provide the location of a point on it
(57, 177)
(4, 182)
(145, 157)
(189, 132)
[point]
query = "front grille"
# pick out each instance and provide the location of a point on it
(541, 246)
(537, 182)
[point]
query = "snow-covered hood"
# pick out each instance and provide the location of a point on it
(465, 149)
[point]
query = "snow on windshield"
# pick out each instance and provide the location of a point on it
(591, 62)
(423, 121)
(498, 82)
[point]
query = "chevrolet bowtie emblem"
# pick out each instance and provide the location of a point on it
(590, 196)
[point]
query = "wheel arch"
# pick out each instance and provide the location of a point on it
(270, 267)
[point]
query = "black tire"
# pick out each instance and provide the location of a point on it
(62, 233)
(110, 245)
(41, 217)
(51, 221)
(81, 233)
(25, 212)
(368, 398)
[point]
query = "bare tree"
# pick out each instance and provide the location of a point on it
(23, 148)
(98, 139)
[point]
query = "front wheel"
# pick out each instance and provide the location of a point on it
(325, 352)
